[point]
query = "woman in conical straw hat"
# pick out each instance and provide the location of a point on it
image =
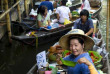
(77, 42)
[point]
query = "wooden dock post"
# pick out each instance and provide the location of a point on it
(107, 25)
(32, 3)
(107, 33)
(19, 13)
(8, 21)
(7, 10)
(26, 8)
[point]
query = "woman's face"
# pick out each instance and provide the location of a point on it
(76, 47)
(84, 18)
(45, 12)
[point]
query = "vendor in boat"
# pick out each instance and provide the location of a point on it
(43, 18)
(48, 4)
(56, 3)
(84, 23)
(78, 43)
(85, 5)
(63, 12)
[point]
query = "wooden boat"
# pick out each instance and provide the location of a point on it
(94, 12)
(37, 3)
(45, 36)
(104, 61)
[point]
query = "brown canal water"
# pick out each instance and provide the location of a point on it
(103, 22)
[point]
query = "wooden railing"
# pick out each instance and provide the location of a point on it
(6, 13)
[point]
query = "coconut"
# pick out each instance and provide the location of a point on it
(52, 49)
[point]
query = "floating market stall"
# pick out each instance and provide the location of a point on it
(26, 29)
(98, 54)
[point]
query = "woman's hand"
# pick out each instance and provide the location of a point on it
(84, 60)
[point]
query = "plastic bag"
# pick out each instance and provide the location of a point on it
(33, 12)
(55, 25)
(66, 21)
(96, 40)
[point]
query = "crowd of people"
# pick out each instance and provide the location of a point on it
(63, 12)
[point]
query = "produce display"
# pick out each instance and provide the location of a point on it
(53, 51)
(52, 55)
(75, 13)
(95, 56)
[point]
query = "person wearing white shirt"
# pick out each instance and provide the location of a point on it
(63, 12)
(85, 5)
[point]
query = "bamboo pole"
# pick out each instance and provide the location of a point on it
(7, 11)
(8, 21)
(19, 13)
(26, 9)
(107, 26)
(32, 3)
(107, 33)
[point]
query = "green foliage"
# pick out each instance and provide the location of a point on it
(75, 14)
(68, 63)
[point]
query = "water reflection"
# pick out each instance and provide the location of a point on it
(103, 18)
(103, 21)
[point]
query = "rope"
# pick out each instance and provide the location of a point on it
(33, 34)
(29, 26)
(38, 29)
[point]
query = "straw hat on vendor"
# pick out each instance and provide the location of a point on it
(64, 40)
(77, 42)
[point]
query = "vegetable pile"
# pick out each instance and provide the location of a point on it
(75, 13)
(95, 56)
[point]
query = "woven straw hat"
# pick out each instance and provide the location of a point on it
(88, 42)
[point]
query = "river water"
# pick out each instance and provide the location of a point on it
(103, 22)
(17, 58)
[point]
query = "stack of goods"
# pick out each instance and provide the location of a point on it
(54, 50)
(96, 58)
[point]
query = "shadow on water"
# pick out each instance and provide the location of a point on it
(17, 58)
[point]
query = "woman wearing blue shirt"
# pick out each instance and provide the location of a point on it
(77, 42)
